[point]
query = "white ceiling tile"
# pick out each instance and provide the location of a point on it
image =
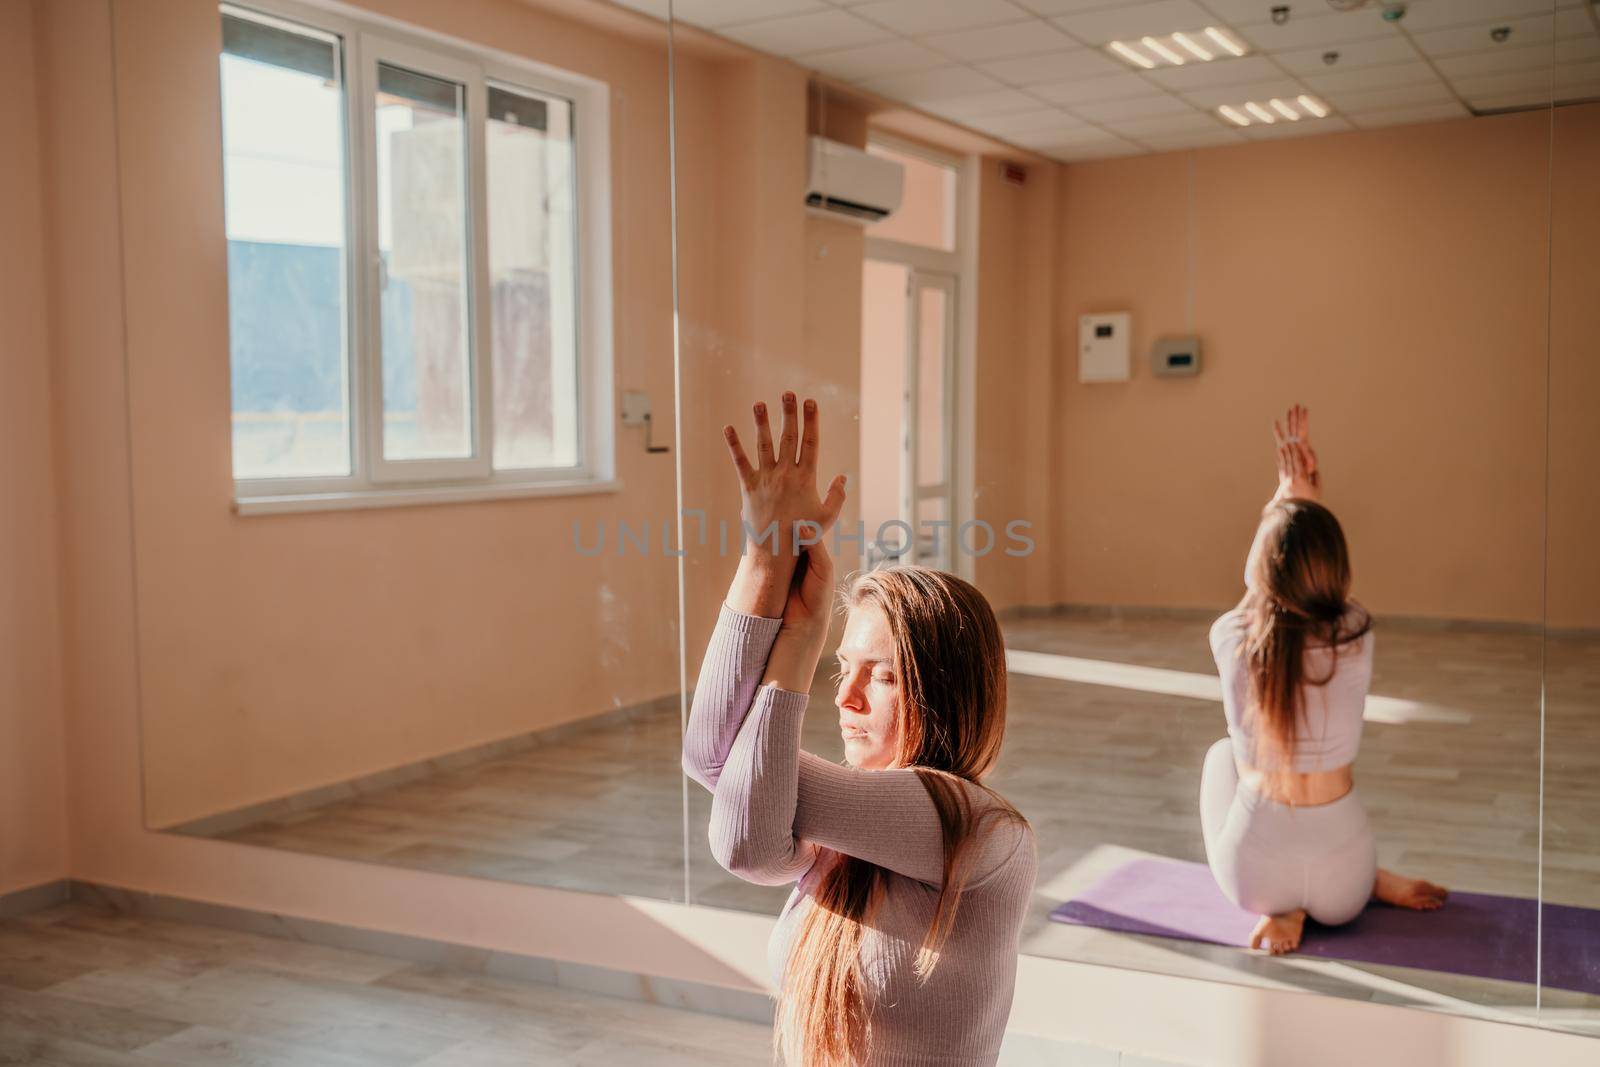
(1244, 12)
(1135, 107)
(1329, 29)
(1400, 96)
(1425, 15)
(1175, 142)
(1169, 125)
(1528, 98)
(1083, 90)
(1053, 67)
(715, 13)
(938, 16)
(1218, 72)
(1573, 22)
(817, 31)
(1516, 81)
(1303, 128)
(1039, 120)
(1373, 77)
(1352, 55)
(940, 83)
(1535, 82)
(875, 60)
(1085, 153)
(976, 105)
(1135, 20)
(1499, 61)
(1400, 116)
(1577, 73)
(1209, 98)
(1027, 38)
(1078, 135)
(1476, 38)
(1063, 7)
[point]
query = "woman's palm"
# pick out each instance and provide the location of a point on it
(781, 487)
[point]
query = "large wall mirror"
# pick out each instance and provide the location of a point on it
(490, 284)
(425, 617)
(1063, 264)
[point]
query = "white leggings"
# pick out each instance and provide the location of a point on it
(1272, 858)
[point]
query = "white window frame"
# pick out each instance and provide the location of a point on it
(366, 39)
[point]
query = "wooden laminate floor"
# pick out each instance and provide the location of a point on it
(1104, 770)
(85, 988)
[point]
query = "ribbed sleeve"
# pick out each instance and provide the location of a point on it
(735, 660)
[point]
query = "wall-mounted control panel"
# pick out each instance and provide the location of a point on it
(1104, 344)
(1176, 357)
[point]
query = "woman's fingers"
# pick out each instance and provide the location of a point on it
(764, 436)
(791, 430)
(810, 438)
(741, 462)
(833, 503)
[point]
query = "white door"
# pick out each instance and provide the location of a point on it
(927, 456)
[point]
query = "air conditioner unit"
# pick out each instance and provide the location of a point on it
(850, 185)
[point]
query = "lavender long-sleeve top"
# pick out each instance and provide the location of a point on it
(780, 814)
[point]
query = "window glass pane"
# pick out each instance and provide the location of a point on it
(927, 214)
(422, 246)
(533, 268)
(284, 180)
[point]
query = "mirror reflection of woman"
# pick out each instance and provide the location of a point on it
(1286, 834)
(899, 941)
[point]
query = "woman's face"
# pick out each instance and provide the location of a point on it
(868, 696)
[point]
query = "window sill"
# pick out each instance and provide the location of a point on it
(352, 499)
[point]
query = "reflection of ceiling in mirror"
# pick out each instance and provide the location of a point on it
(1043, 75)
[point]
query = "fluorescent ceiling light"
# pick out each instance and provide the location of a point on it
(1193, 49)
(1170, 49)
(1261, 113)
(1315, 106)
(1225, 41)
(1163, 51)
(1129, 53)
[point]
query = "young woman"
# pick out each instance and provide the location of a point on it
(899, 942)
(1286, 835)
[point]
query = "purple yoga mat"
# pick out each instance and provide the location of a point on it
(1474, 933)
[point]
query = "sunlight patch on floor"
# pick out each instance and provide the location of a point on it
(1193, 686)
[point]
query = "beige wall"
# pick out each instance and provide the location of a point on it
(1573, 565)
(1016, 462)
(1392, 280)
(33, 814)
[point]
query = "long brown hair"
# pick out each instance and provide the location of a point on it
(949, 660)
(1300, 592)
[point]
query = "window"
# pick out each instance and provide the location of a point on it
(927, 214)
(408, 306)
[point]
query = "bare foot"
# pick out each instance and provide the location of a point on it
(1404, 892)
(1279, 933)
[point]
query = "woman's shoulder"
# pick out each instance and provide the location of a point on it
(1227, 629)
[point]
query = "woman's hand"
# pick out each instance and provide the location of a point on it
(804, 634)
(781, 487)
(810, 591)
(1298, 475)
(778, 492)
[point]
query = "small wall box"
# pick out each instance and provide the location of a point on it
(1176, 357)
(1104, 342)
